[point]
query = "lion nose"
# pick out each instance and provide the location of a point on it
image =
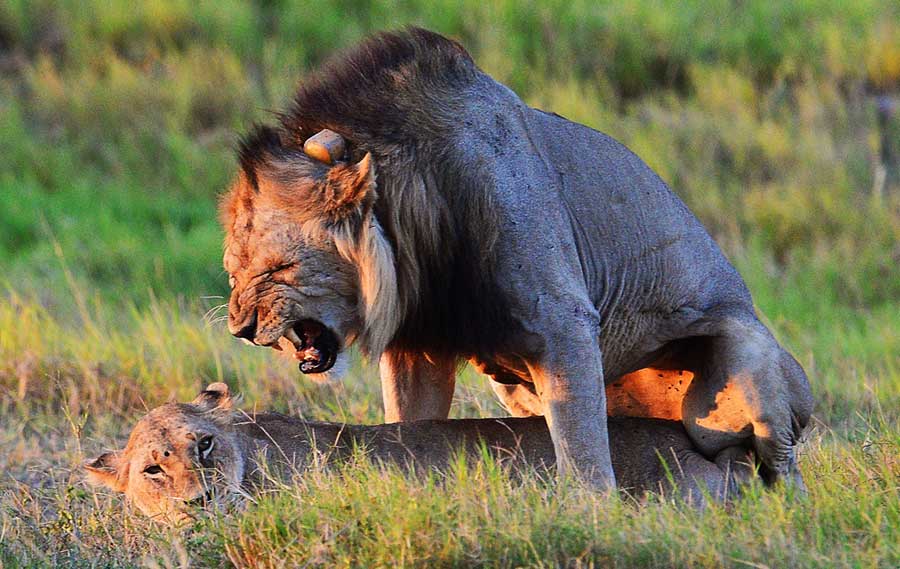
(247, 330)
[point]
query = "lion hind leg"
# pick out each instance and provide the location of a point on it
(748, 387)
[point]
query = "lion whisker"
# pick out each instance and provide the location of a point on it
(215, 309)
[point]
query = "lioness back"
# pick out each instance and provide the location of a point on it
(648, 454)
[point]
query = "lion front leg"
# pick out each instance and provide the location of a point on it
(569, 381)
(416, 386)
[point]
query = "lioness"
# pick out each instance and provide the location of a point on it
(410, 201)
(179, 454)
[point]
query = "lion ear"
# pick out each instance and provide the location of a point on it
(216, 396)
(105, 471)
(349, 187)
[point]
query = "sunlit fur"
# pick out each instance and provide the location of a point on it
(360, 240)
(296, 213)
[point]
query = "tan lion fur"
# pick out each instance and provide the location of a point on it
(167, 437)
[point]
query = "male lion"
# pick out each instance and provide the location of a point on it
(541, 250)
(182, 454)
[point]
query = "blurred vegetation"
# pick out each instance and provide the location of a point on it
(117, 127)
(118, 119)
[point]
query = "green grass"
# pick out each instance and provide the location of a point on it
(361, 515)
(117, 124)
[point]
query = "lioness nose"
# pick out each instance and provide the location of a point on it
(248, 330)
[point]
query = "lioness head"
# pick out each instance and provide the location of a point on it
(176, 455)
(309, 267)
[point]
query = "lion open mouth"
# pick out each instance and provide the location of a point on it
(315, 346)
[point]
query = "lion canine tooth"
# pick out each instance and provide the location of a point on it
(293, 337)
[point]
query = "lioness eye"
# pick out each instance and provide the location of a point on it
(204, 446)
(153, 470)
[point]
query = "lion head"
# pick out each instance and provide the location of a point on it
(309, 267)
(321, 254)
(178, 454)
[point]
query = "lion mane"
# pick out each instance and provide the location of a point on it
(424, 247)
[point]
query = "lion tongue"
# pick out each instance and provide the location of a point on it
(309, 354)
(304, 343)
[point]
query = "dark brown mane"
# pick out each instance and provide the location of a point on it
(371, 90)
(255, 148)
(376, 93)
(398, 96)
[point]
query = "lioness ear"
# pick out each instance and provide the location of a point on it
(104, 471)
(349, 187)
(215, 396)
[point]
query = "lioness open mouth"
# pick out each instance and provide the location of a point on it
(316, 347)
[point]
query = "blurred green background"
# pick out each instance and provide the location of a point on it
(118, 122)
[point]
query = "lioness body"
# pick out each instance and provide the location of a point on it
(462, 224)
(162, 469)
